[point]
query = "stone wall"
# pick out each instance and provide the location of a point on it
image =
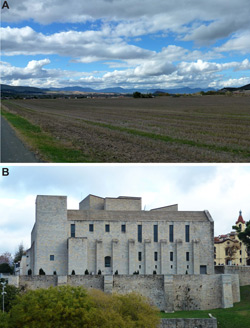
(167, 292)
(242, 271)
(150, 286)
(36, 282)
(87, 281)
(188, 323)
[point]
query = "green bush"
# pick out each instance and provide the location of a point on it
(73, 307)
(9, 297)
(6, 268)
(3, 320)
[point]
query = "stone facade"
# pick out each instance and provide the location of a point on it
(166, 292)
(109, 235)
(188, 323)
(243, 272)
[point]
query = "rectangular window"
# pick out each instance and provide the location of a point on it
(156, 256)
(52, 257)
(203, 269)
(73, 230)
(240, 252)
(123, 228)
(171, 256)
(139, 233)
(139, 256)
(187, 256)
(107, 228)
(187, 233)
(91, 227)
(156, 233)
(171, 233)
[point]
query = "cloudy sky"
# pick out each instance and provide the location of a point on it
(126, 43)
(223, 190)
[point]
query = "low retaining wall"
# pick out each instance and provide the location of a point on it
(167, 292)
(242, 271)
(189, 323)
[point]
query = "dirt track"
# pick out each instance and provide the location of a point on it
(201, 129)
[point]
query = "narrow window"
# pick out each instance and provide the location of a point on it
(203, 269)
(187, 256)
(123, 228)
(107, 228)
(240, 260)
(156, 233)
(140, 233)
(107, 262)
(187, 233)
(91, 227)
(156, 256)
(139, 256)
(52, 257)
(171, 233)
(171, 256)
(240, 252)
(73, 230)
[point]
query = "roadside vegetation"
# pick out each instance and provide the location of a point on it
(236, 317)
(48, 147)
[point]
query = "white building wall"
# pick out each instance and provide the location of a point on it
(87, 250)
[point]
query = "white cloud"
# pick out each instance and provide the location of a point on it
(203, 22)
(239, 43)
(83, 47)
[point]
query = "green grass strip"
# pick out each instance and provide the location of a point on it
(236, 317)
(50, 149)
(154, 136)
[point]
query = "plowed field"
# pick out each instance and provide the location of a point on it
(163, 129)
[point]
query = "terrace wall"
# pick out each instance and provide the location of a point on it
(242, 271)
(167, 292)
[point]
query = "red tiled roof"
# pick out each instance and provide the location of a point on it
(240, 219)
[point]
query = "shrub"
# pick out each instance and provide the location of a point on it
(73, 307)
(9, 297)
(6, 268)
(63, 306)
(123, 311)
(4, 320)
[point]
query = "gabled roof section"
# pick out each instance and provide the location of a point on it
(240, 219)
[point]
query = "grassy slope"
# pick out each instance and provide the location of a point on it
(236, 317)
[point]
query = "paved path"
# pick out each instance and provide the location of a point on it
(12, 148)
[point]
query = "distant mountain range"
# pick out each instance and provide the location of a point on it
(7, 90)
(129, 91)
(245, 87)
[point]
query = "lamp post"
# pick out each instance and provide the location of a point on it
(3, 292)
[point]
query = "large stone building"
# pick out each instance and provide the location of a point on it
(229, 250)
(113, 235)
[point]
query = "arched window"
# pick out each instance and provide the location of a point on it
(107, 262)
